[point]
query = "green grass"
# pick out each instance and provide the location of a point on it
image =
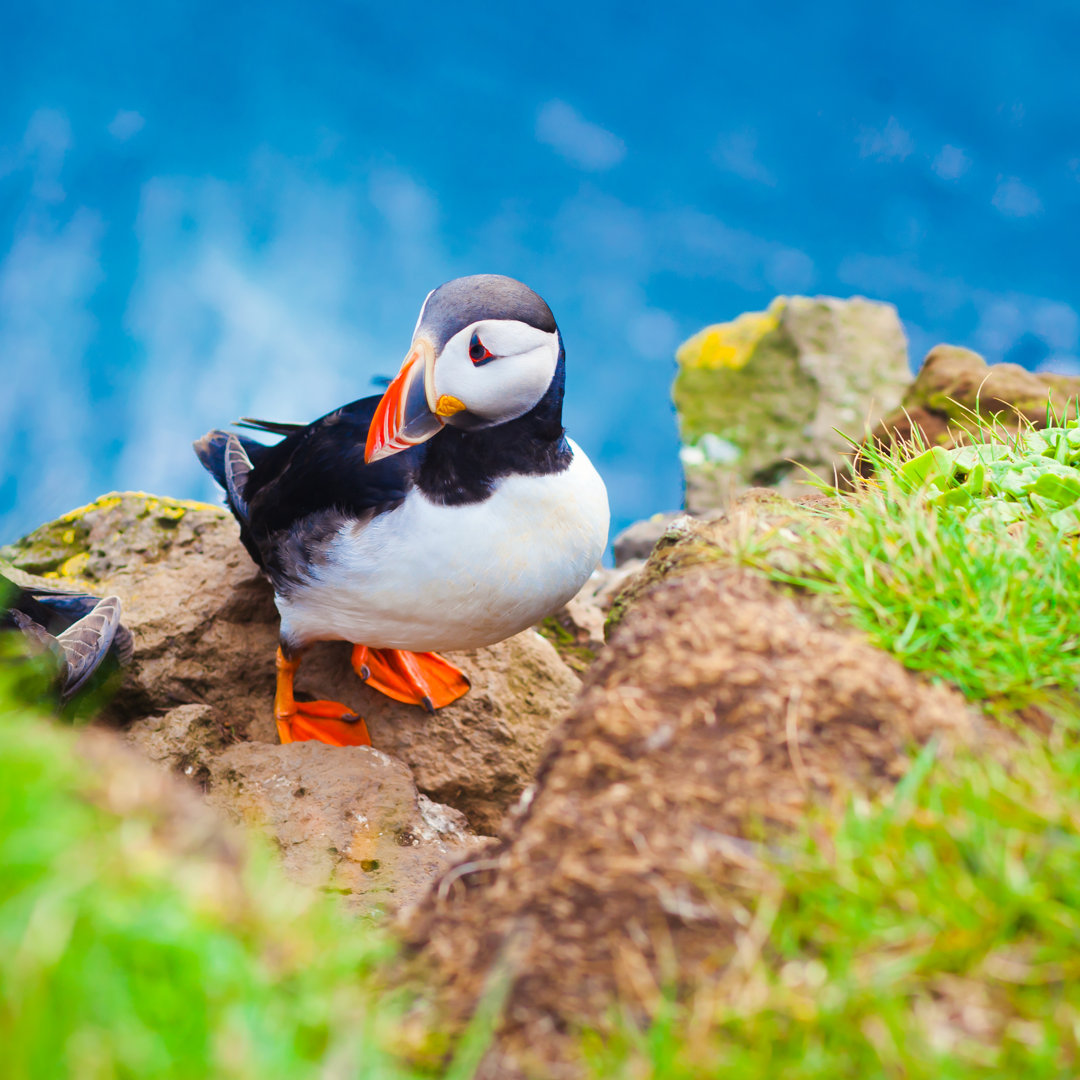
(922, 560)
(932, 935)
(121, 958)
(988, 611)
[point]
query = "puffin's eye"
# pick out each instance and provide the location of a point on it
(478, 351)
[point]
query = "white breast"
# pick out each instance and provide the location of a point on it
(431, 577)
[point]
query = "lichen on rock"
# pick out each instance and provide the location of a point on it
(81, 544)
(782, 386)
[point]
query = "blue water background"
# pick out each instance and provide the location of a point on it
(211, 210)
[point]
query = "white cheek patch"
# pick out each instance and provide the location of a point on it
(507, 386)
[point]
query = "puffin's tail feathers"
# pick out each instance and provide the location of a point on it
(275, 427)
(210, 450)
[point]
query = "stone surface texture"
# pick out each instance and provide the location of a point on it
(779, 386)
(346, 819)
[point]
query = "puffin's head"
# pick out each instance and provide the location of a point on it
(485, 351)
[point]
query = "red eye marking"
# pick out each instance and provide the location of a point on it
(478, 351)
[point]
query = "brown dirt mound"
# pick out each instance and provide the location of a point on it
(719, 708)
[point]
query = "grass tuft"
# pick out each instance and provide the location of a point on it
(963, 564)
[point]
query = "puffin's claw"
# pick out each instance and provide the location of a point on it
(424, 679)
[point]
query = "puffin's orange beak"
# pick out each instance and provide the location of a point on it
(403, 417)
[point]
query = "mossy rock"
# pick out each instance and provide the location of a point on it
(83, 545)
(568, 645)
(771, 389)
(957, 396)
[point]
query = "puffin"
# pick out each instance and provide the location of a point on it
(80, 630)
(449, 513)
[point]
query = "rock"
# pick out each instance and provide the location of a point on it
(776, 387)
(183, 740)
(205, 629)
(720, 708)
(478, 754)
(956, 385)
(637, 541)
(576, 630)
(203, 619)
(346, 819)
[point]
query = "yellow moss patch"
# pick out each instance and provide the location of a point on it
(62, 548)
(106, 502)
(155, 505)
(174, 509)
(730, 345)
(75, 566)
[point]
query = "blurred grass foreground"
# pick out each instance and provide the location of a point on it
(136, 940)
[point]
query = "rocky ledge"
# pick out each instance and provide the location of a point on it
(637, 811)
(374, 824)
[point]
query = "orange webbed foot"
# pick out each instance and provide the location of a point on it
(415, 678)
(325, 721)
(302, 721)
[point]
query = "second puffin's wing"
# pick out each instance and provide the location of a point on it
(85, 643)
(31, 629)
(81, 628)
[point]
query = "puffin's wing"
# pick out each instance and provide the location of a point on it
(322, 467)
(210, 450)
(83, 629)
(69, 608)
(22, 607)
(31, 629)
